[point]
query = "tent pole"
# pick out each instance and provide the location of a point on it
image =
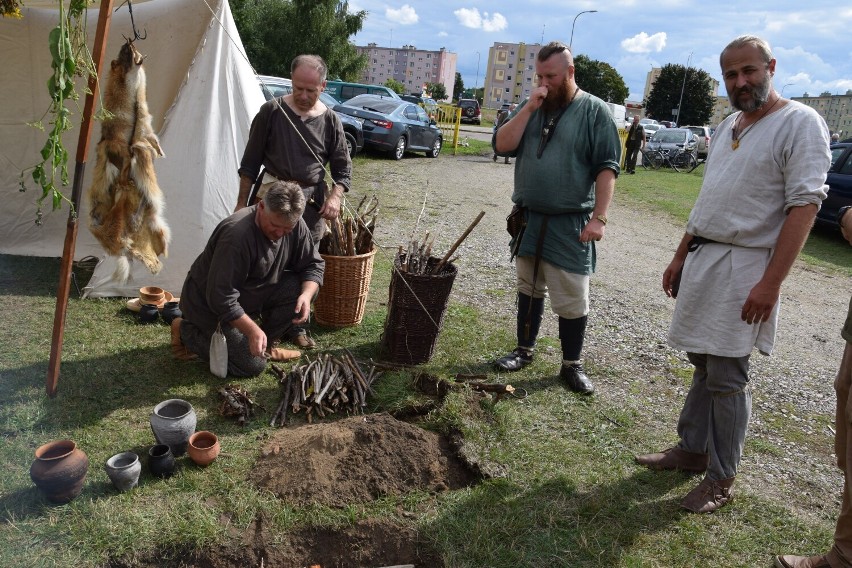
(64, 288)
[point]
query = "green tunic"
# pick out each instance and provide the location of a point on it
(561, 183)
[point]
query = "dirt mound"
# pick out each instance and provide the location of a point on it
(356, 460)
(367, 543)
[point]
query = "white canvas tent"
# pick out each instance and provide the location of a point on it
(202, 95)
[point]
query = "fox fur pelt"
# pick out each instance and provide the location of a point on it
(125, 202)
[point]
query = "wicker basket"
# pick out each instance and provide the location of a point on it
(343, 296)
(410, 332)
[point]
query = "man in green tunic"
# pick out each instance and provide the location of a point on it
(568, 150)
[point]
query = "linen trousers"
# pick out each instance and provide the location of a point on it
(840, 555)
(276, 319)
(569, 292)
(715, 415)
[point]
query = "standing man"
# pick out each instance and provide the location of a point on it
(840, 555)
(635, 142)
(568, 151)
(293, 137)
(259, 264)
(503, 116)
(763, 185)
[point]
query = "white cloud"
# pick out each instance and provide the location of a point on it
(443, 34)
(471, 18)
(643, 43)
(405, 16)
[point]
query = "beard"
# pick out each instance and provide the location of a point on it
(759, 95)
(559, 97)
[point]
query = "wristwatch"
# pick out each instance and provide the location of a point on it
(601, 218)
(841, 212)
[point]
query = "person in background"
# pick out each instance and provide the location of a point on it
(763, 185)
(568, 154)
(503, 116)
(635, 142)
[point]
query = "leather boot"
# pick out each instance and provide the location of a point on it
(281, 354)
(677, 459)
(787, 561)
(179, 350)
(709, 495)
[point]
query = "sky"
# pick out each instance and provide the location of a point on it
(811, 40)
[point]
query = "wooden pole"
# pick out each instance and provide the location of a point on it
(101, 35)
(453, 248)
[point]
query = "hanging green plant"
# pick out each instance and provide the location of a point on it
(70, 58)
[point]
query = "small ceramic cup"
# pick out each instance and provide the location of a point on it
(170, 311)
(123, 470)
(161, 462)
(148, 313)
(203, 447)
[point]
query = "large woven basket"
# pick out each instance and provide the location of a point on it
(417, 304)
(343, 296)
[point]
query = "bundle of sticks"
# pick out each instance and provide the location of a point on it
(415, 260)
(236, 401)
(352, 235)
(326, 385)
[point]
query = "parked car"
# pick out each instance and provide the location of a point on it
(703, 133)
(471, 112)
(650, 129)
(839, 182)
(673, 139)
(274, 87)
(394, 125)
(344, 90)
(428, 103)
(668, 124)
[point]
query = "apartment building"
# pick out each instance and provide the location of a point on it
(509, 73)
(835, 109)
(412, 67)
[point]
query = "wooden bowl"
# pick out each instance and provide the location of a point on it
(151, 295)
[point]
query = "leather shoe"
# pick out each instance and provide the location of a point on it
(709, 495)
(303, 340)
(179, 350)
(788, 561)
(514, 361)
(675, 458)
(576, 379)
(280, 354)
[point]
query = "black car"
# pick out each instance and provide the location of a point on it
(394, 125)
(470, 111)
(839, 182)
(274, 87)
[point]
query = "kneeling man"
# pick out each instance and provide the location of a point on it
(256, 279)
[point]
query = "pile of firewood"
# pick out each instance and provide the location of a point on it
(415, 260)
(236, 401)
(352, 235)
(326, 385)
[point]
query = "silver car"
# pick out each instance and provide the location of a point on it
(703, 133)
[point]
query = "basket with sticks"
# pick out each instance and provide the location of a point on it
(348, 252)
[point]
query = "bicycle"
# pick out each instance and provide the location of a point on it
(677, 159)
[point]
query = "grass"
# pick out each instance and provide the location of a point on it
(564, 491)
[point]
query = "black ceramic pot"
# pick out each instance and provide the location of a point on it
(170, 311)
(161, 462)
(148, 313)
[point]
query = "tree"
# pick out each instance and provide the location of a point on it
(395, 86)
(458, 86)
(697, 105)
(437, 91)
(275, 31)
(600, 79)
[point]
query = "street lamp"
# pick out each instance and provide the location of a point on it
(476, 84)
(784, 87)
(571, 42)
(682, 87)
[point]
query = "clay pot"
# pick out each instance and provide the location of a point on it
(170, 311)
(123, 470)
(161, 462)
(148, 313)
(59, 470)
(203, 447)
(151, 295)
(172, 422)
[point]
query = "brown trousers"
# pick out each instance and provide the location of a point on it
(840, 555)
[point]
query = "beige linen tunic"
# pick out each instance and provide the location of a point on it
(781, 163)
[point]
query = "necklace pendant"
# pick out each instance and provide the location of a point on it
(735, 144)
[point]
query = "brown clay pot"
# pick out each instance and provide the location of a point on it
(59, 470)
(203, 447)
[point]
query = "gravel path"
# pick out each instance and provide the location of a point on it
(628, 323)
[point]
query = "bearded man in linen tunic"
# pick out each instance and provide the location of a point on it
(763, 185)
